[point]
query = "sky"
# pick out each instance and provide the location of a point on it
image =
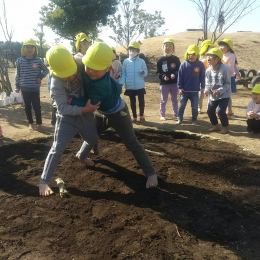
(179, 15)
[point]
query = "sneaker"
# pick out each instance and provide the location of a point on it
(134, 119)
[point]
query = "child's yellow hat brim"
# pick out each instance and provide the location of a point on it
(205, 45)
(61, 62)
(215, 51)
(192, 49)
(134, 44)
(29, 42)
(98, 57)
(79, 38)
(256, 89)
(228, 42)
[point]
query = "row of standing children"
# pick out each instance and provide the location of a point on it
(188, 78)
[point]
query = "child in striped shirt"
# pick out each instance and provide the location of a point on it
(30, 71)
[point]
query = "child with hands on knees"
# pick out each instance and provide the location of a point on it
(253, 112)
(116, 69)
(30, 70)
(66, 83)
(229, 59)
(167, 70)
(218, 89)
(205, 47)
(191, 80)
(113, 111)
(134, 71)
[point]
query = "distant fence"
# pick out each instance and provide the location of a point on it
(194, 30)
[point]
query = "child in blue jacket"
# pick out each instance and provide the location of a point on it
(134, 71)
(191, 80)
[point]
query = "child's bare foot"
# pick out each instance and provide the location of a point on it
(214, 128)
(163, 118)
(178, 122)
(31, 127)
(87, 161)
(45, 190)
(225, 130)
(152, 181)
(194, 123)
(1, 137)
(251, 132)
(39, 127)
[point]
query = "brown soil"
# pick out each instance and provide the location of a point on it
(206, 207)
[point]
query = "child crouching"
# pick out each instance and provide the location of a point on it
(253, 112)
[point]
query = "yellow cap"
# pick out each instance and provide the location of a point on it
(80, 38)
(256, 89)
(29, 42)
(193, 49)
(215, 51)
(113, 49)
(204, 46)
(61, 62)
(98, 57)
(134, 44)
(168, 40)
(228, 42)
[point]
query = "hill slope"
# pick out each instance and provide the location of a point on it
(246, 44)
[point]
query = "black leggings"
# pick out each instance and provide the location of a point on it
(141, 104)
(32, 99)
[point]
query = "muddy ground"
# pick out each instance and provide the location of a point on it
(207, 204)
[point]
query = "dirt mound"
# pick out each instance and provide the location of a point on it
(246, 47)
(206, 207)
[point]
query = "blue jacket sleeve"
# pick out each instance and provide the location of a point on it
(202, 76)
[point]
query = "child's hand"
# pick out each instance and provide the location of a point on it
(166, 78)
(252, 114)
(181, 91)
(206, 93)
(89, 107)
(142, 72)
(172, 76)
(38, 81)
(215, 92)
(17, 90)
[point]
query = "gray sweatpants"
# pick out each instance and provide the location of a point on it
(122, 124)
(65, 129)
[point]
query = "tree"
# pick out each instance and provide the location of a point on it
(133, 21)
(40, 35)
(234, 11)
(8, 34)
(67, 18)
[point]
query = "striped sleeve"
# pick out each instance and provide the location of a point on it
(44, 70)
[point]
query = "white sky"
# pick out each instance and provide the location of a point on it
(179, 15)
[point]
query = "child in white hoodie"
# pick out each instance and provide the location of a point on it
(253, 111)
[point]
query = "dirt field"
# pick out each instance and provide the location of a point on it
(206, 206)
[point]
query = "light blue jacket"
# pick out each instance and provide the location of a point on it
(131, 75)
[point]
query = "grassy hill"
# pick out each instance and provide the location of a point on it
(246, 44)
